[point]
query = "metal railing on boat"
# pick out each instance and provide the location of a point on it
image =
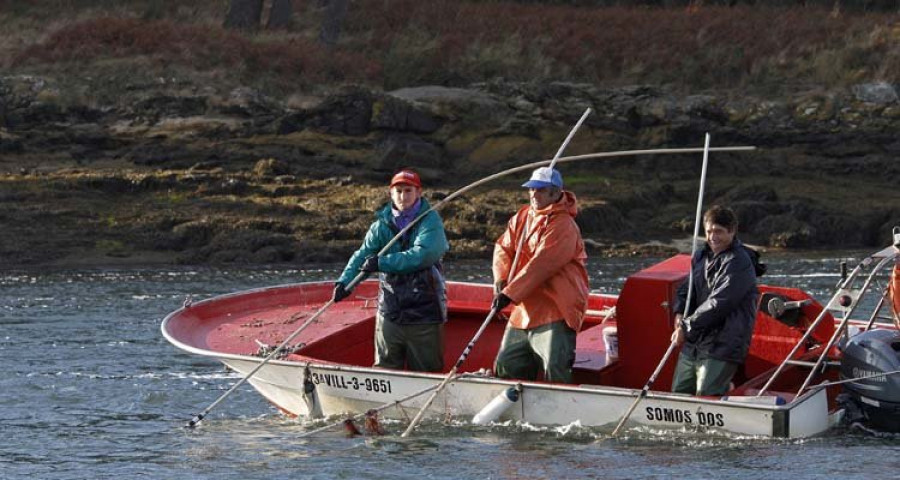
(845, 300)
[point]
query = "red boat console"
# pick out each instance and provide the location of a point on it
(644, 322)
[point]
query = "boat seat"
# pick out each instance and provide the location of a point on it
(591, 360)
(590, 351)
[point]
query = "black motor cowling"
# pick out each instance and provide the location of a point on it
(869, 354)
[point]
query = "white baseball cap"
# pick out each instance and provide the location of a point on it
(544, 177)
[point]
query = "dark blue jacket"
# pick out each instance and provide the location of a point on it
(412, 283)
(723, 307)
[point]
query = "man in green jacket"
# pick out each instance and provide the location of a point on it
(412, 299)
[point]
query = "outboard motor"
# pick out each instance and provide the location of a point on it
(869, 354)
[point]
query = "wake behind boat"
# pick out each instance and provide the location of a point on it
(796, 349)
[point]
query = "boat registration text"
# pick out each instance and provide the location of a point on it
(334, 380)
(675, 415)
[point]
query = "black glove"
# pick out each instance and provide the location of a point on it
(500, 302)
(370, 265)
(340, 292)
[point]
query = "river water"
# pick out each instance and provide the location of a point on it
(91, 390)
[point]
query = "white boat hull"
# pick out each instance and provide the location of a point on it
(346, 389)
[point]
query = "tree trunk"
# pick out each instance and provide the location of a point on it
(244, 14)
(331, 24)
(280, 15)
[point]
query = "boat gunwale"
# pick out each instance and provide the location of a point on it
(253, 291)
(470, 378)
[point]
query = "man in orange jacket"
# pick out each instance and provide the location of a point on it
(548, 283)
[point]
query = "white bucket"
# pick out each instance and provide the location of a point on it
(611, 342)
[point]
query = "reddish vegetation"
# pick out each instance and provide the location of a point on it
(201, 46)
(454, 42)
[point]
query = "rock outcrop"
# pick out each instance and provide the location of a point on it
(825, 173)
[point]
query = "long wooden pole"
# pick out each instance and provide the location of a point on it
(451, 374)
(197, 418)
(495, 310)
(395, 403)
(687, 307)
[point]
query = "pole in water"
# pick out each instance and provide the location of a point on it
(687, 307)
(494, 311)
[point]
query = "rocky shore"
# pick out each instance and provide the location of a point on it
(175, 171)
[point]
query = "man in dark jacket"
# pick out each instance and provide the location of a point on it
(715, 333)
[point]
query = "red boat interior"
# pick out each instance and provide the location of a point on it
(343, 333)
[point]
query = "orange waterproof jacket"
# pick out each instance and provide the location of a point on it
(550, 282)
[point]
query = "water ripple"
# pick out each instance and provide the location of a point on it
(91, 390)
